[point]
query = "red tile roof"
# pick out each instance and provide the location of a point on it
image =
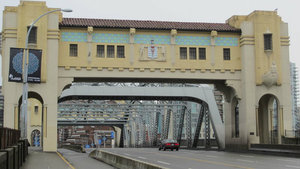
(143, 24)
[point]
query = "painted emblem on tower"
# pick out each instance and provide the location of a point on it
(152, 52)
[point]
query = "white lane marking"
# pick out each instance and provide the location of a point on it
(211, 156)
(246, 156)
(142, 157)
(288, 160)
(163, 162)
(127, 154)
(245, 160)
(292, 166)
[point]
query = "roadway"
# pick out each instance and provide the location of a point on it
(198, 159)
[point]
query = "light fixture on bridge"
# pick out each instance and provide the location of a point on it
(23, 118)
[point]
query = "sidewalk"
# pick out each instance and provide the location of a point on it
(37, 159)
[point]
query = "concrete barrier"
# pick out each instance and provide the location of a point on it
(16, 156)
(74, 147)
(24, 149)
(123, 162)
(276, 149)
(277, 146)
(3, 160)
(10, 157)
(20, 154)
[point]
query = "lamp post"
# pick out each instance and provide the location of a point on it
(23, 118)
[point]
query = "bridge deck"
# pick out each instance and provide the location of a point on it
(38, 159)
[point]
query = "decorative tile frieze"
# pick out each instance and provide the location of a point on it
(193, 40)
(147, 39)
(226, 41)
(157, 39)
(110, 38)
(73, 37)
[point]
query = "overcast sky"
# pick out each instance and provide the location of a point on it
(214, 11)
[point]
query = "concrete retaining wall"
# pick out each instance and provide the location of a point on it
(122, 162)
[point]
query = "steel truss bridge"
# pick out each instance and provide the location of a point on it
(143, 123)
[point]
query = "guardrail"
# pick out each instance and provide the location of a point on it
(13, 150)
(8, 137)
(292, 133)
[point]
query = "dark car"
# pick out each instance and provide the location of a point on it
(169, 144)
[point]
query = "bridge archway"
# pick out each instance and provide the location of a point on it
(34, 116)
(195, 94)
(268, 119)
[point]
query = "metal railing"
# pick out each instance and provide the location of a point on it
(291, 137)
(8, 137)
(292, 133)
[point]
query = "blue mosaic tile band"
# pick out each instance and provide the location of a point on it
(146, 39)
(158, 39)
(193, 40)
(73, 37)
(110, 38)
(226, 41)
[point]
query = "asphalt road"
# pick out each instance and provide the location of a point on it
(198, 159)
(82, 160)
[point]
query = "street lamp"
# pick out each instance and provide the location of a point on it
(23, 118)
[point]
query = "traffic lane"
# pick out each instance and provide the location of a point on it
(171, 159)
(82, 160)
(254, 160)
(242, 160)
(211, 158)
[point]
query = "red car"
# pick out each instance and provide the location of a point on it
(169, 144)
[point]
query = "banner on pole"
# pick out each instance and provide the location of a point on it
(16, 65)
(34, 66)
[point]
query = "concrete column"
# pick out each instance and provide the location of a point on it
(247, 115)
(285, 100)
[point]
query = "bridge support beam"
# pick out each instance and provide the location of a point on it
(155, 132)
(189, 128)
(181, 123)
(198, 128)
(207, 128)
(167, 124)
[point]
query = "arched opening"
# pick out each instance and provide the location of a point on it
(34, 118)
(268, 119)
(35, 138)
(86, 107)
